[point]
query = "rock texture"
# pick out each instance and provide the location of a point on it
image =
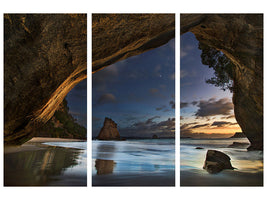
(109, 131)
(119, 36)
(240, 38)
(216, 161)
(44, 58)
(239, 135)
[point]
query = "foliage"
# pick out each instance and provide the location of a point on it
(223, 67)
(68, 127)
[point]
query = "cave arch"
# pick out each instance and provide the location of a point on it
(42, 63)
(240, 38)
(45, 56)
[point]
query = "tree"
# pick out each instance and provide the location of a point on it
(223, 67)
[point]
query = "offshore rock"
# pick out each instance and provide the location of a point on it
(239, 135)
(240, 38)
(239, 145)
(109, 131)
(216, 161)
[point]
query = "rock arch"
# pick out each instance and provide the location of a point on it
(240, 38)
(44, 58)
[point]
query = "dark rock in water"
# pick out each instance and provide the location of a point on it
(239, 135)
(109, 131)
(216, 161)
(155, 137)
(104, 166)
(199, 148)
(239, 145)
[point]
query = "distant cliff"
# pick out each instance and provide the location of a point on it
(239, 135)
(62, 125)
(109, 131)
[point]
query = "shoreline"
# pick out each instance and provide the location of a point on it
(36, 144)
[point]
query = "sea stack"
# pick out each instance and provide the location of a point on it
(109, 131)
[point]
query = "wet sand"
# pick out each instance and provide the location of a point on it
(37, 164)
(149, 179)
(224, 178)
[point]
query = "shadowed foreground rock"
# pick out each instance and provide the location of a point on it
(45, 56)
(216, 161)
(240, 38)
(109, 131)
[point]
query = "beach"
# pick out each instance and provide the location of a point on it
(46, 162)
(248, 164)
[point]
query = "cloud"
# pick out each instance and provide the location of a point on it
(172, 103)
(149, 127)
(183, 73)
(228, 117)
(105, 76)
(172, 76)
(153, 91)
(106, 98)
(157, 71)
(185, 50)
(212, 107)
(160, 108)
(222, 123)
(156, 93)
(183, 104)
(200, 126)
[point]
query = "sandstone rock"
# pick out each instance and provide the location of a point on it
(239, 135)
(216, 161)
(109, 131)
(239, 145)
(45, 56)
(119, 36)
(240, 38)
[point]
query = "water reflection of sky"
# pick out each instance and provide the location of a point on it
(134, 156)
(243, 160)
(248, 164)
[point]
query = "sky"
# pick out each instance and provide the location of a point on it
(77, 103)
(138, 94)
(205, 110)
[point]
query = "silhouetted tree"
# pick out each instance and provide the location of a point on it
(223, 67)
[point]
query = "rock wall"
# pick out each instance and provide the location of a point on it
(44, 58)
(119, 36)
(240, 38)
(109, 131)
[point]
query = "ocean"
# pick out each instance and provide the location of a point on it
(248, 164)
(134, 162)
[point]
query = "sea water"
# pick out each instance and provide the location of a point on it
(248, 164)
(135, 158)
